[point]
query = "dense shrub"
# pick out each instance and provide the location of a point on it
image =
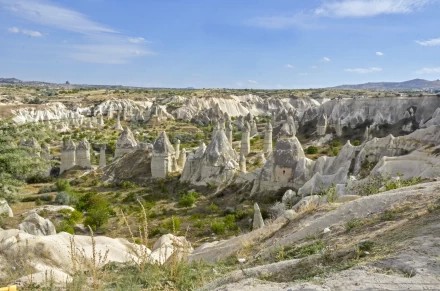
(62, 185)
(97, 210)
(188, 199)
(311, 150)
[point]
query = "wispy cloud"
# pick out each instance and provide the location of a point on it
(368, 8)
(430, 42)
(379, 54)
(364, 70)
(252, 82)
(289, 66)
(27, 32)
(97, 43)
(303, 20)
(427, 71)
(326, 59)
(137, 40)
(51, 15)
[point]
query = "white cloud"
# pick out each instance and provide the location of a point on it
(364, 70)
(31, 33)
(379, 54)
(368, 8)
(282, 21)
(430, 42)
(426, 71)
(107, 53)
(137, 40)
(97, 43)
(14, 29)
(252, 82)
(289, 66)
(326, 59)
(52, 15)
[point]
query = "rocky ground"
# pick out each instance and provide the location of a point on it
(219, 189)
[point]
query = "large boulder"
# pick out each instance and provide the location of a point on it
(169, 245)
(5, 210)
(64, 254)
(37, 225)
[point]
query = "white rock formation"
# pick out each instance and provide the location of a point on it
(245, 140)
(182, 159)
(267, 146)
(168, 246)
(288, 128)
(258, 221)
(52, 254)
(338, 128)
(118, 125)
(163, 158)
(321, 126)
(229, 130)
(102, 158)
(51, 111)
(37, 225)
(68, 155)
(242, 164)
(126, 143)
(216, 165)
(83, 154)
(5, 209)
(177, 149)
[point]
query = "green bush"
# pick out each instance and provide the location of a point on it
(311, 150)
(70, 218)
(97, 210)
(62, 185)
(356, 142)
(228, 223)
(188, 199)
(218, 227)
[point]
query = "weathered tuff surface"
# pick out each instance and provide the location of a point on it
(351, 112)
(410, 264)
(134, 166)
(60, 255)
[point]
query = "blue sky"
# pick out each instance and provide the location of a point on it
(220, 43)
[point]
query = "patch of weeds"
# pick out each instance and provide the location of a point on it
(128, 185)
(300, 251)
(213, 208)
(70, 219)
(353, 224)
(172, 224)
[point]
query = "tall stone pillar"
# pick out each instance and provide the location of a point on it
(245, 140)
(68, 155)
(229, 130)
(102, 159)
(267, 147)
(83, 154)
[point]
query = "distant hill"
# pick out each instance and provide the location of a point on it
(416, 84)
(10, 81)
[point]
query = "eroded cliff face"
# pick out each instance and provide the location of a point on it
(412, 112)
